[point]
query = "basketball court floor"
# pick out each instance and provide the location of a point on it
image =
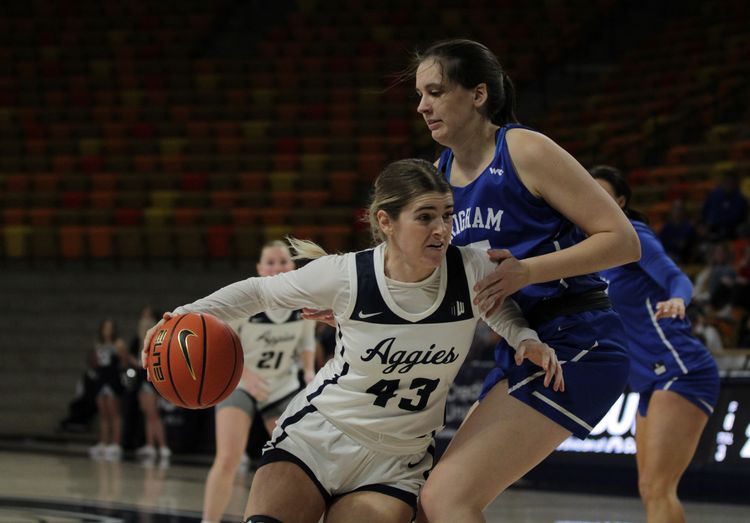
(68, 487)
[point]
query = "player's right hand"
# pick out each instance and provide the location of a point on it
(510, 275)
(672, 308)
(147, 341)
(544, 356)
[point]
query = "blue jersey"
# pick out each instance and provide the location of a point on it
(659, 349)
(497, 211)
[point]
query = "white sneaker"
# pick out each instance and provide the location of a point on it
(97, 451)
(146, 452)
(113, 452)
(165, 453)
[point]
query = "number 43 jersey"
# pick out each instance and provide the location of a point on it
(388, 382)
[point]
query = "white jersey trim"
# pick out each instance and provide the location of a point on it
(352, 273)
(562, 410)
(707, 405)
(379, 261)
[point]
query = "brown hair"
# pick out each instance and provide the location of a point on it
(396, 187)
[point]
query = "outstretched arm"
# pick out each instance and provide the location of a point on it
(322, 283)
(318, 284)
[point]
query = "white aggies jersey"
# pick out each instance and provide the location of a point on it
(390, 376)
(388, 382)
(273, 340)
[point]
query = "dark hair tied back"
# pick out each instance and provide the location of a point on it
(469, 63)
(620, 185)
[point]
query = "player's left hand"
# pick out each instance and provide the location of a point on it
(672, 308)
(323, 316)
(510, 275)
(544, 356)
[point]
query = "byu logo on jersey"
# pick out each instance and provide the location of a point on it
(494, 170)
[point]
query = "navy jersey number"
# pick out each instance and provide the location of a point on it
(267, 360)
(384, 390)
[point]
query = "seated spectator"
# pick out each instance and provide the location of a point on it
(742, 241)
(706, 332)
(742, 283)
(724, 210)
(678, 234)
(714, 284)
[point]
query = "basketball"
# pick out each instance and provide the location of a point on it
(195, 360)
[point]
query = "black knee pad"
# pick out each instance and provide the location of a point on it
(262, 519)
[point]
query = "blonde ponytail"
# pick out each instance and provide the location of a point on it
(305, 249)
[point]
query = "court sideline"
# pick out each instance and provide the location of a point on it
(65, 487)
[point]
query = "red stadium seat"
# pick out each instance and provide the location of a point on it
(102, 199)
(72, 242)
(129, 243)
(101, 240)
(14, 216)
(253, 181)
(219, 241)
(43, 217)
(187, 216)
(342, 186)
(244, 217)
(128, 217)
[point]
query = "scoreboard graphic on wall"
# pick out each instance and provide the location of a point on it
(729, 428)
(725, 441)
(723, 448)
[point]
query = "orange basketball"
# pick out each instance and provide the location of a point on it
(195, 360)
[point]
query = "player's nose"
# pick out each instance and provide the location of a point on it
(423, 106)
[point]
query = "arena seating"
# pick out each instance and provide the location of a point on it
(124, 138)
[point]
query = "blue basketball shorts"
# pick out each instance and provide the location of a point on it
(699, 386)
(591, 347)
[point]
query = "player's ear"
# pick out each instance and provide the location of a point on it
(384, 222)
(480, 94)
